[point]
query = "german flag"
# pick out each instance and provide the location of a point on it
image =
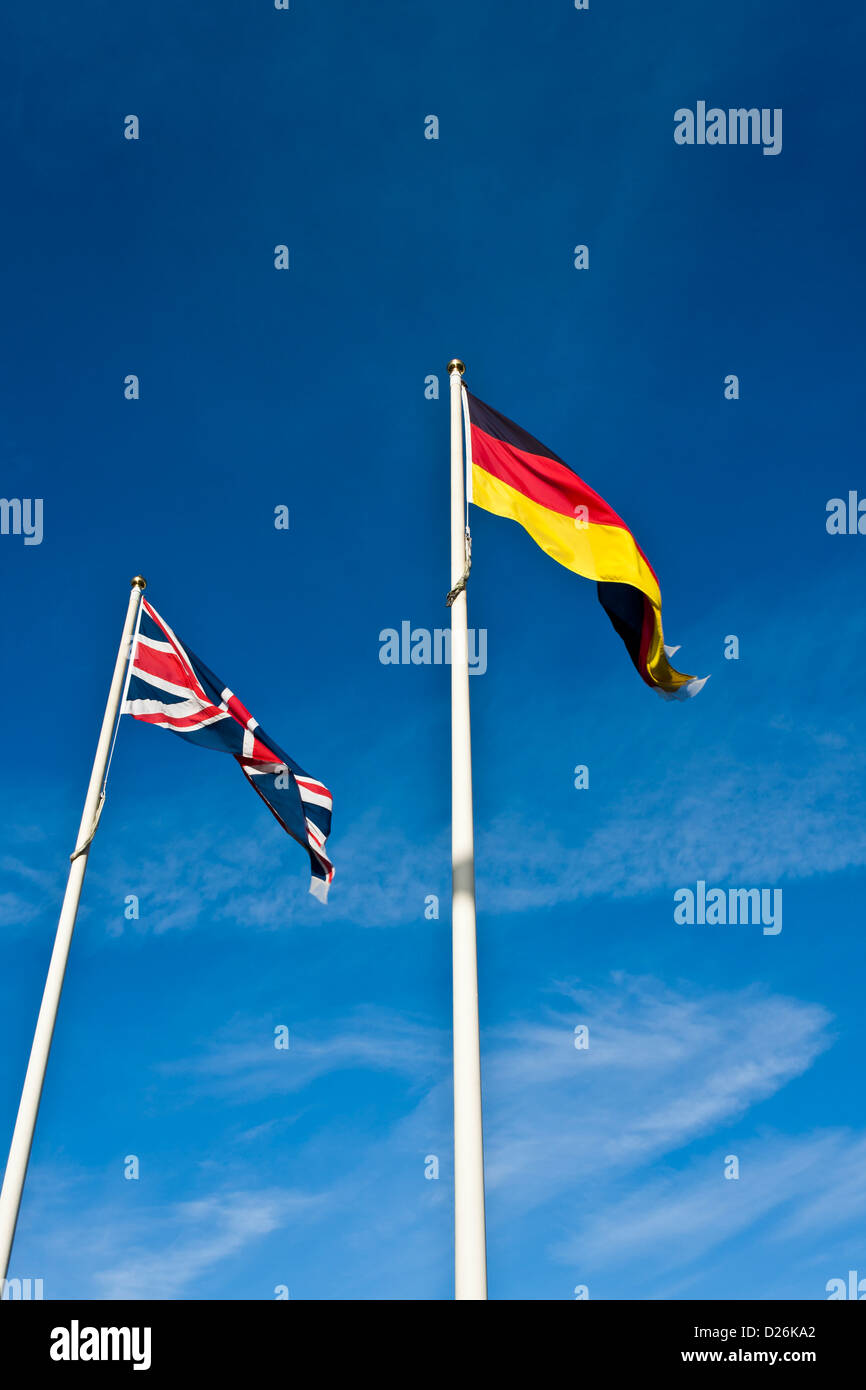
(512, 475)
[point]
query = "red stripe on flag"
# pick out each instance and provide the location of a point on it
(309, 786)
(185, 721)
(192, 679)
(166, 665)
(240, 712)
(543, 480)
(262, 753)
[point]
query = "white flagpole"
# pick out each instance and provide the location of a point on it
(470, 1243)
(22, 1137)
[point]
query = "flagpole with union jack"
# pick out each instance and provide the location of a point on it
(157, 680)
(22, 1136)
(470, 1241)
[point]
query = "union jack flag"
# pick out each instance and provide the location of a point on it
(170, 687)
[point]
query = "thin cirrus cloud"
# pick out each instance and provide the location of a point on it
(788, 825)
(96, 1246)
(779, 797)
(811, 1186)
(734, 825)
(179, 1244)
(665, 1067)
(242, 1063)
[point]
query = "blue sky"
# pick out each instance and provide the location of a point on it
(305, 388)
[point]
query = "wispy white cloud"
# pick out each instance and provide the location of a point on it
(85, 1241)
(241, 1063)
(585, 1128)
(813, 1185)
(180, 1243)
(34, 891)
(16, 909)
(778, 799)
(663, 1067)
(755, 826)
(759, 823)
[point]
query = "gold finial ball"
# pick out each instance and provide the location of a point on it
(139, 582)
(455, 365)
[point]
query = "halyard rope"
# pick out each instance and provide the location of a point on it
(461, 582)
(81, 849)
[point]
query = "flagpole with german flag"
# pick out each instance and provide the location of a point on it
(511, 474)
(470, 1242)
(31, 1094)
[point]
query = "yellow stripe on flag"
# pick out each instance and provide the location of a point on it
(606, 553)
